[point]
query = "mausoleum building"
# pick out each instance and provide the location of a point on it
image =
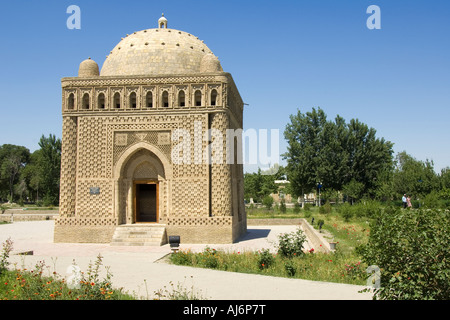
(145, 151)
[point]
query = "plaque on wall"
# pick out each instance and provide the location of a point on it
(94, 190)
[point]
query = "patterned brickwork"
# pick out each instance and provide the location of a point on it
(190, 197)
(68, 167)
(85, 221)
(92, 148)
(94, 205)
(200, 221)
(221, 173)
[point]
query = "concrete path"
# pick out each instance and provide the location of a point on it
(140, 271)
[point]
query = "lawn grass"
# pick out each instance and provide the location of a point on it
(342, 266)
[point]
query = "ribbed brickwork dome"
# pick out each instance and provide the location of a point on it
(160, 51)
(88, 68)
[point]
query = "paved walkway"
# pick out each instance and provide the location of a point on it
(140, 271)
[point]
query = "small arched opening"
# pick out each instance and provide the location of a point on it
(117, 100)
(85, 101)
(181, 99)
(165, 99)
(71, 102)
(133, 102)
(213, 97)
(198, 98)
(101, 101)
(149, 100)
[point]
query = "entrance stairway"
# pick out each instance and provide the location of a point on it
(139, 235)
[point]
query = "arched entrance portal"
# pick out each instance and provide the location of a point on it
(141, 179)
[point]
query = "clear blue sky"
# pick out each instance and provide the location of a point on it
(283, 55)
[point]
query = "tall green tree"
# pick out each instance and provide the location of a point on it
(334, 153)
(369, 157)
(12, 161)
(304, 148)
(32, 174)
(50, 166)
(259, 184)
(414, 177)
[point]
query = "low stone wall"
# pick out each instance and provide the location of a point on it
(274, 222)
(317, 240)
(17, 215)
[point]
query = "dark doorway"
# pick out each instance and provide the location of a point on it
(146, 202)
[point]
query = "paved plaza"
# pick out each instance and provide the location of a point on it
(140, 270)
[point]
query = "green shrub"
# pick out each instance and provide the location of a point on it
(33, 285)
(6, 250)
(282, 206)
(290, 269)
(411, 249)
(431, 201)
(367, 208)
(209, 258)
(182, 258)
(346, 211)
(291, 244)
(296, 208)
(3, 208)
(325, 209)
(265, 259)
(268, 202)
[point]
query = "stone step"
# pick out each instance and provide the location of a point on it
(139, 235)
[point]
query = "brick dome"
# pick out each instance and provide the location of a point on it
(160, 51)
(88, 68)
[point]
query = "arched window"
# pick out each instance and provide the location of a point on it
(181, 99)
(117, 100)
(71, 102)
(165, 99)
(198, 98)
(101, 101)
(85, 101)
(149, 100)
(133, 100)
(213, 97)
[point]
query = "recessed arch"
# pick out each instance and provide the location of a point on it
(165, 99)
(85, 101)
(213, 97)
(198, 98)
(149, 99)
(181, 98)
(101, 101)
(117, 100)
(128, 154)
(133, 100)
(71, 102)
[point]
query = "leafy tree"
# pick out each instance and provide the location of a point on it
(444, 181)
(49, 164)
(444, 178)
(260, 184)
(414, 177)
(353, 189)
(32, 174)
(268, 202)
(334, 153)
(304, 162)
(12, 160)
(368, 156)
(42, 173)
